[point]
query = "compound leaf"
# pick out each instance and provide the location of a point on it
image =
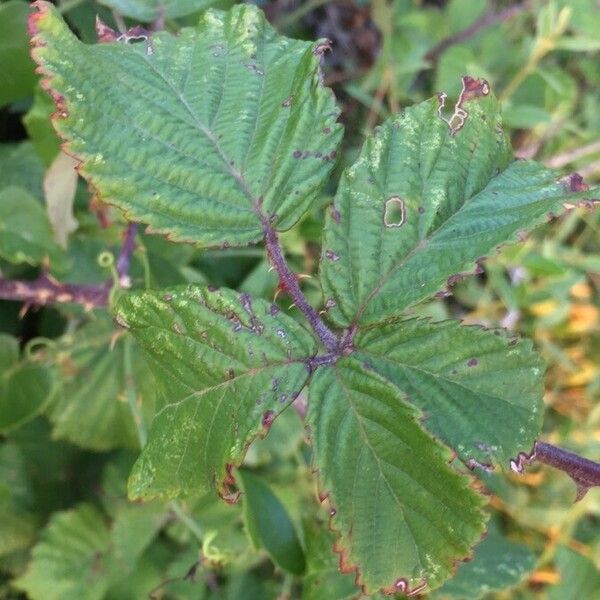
(206, 135)
(226, 365)
(480, 391)
(151, 10)
(402, 515)
(71, 560)
(425, 200)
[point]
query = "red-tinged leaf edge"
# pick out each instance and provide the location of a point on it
(401, 584)
(104, 34)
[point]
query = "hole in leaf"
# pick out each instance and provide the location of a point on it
(395, 212)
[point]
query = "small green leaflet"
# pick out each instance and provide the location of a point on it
(427, 198)
(25, 231)
(25, 386)
(226, 365)
(499, 564)
(402, 515)
(151, 10)
(99, 377)
(268, 523)
(205, 136)
(480, 391)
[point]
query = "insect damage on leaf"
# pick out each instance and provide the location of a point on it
(471, 88)
(395, 212)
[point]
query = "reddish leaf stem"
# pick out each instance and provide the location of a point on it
(124, 260)
(584, 472)
(46, 290)
(289, 283)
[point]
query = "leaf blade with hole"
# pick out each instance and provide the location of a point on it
(426, 199)
(226, 365)
(205, 135)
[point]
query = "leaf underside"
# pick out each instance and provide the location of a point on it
(204, 136)
(423, 203)
(402, 515)
(226, 366)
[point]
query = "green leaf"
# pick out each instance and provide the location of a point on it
(39, 127)
(269, 525)
(402, 515)
(24, 386)
(226, 365)
(579, 576)
(424, 201)
(205, 135)
(480, 391)
(25, 232)
(18, 77)
(151, 10)
(323, 578)
(71, 561)
(499, 564)
(21, 166)
(91, 405)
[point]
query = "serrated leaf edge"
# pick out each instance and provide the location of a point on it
(401, 584)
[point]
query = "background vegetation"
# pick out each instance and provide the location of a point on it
(66, 528)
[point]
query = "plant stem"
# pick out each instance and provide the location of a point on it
(46, 290)
(294, 16)
(584, 472)
(186, 520)
(289, 283)
(124, 260)
(487, 20)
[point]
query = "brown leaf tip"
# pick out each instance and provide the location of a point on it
(575, 183)
(104, 33)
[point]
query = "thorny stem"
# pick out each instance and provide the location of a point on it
(487, 20)
(289, 283)
(584, 472)
(124, 260)
(47, 290)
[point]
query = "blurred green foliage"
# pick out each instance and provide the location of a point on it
(65, 457)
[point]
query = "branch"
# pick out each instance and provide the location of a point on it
(487, 20)
(584, 472)
(289, 283)
(46, 290)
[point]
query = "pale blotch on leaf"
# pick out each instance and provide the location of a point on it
(395, 212)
